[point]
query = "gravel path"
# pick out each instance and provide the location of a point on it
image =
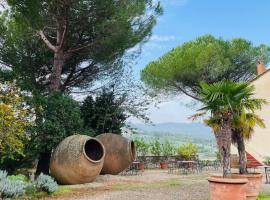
(196, 192)
(151, 185)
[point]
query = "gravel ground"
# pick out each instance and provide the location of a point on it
(152, 184)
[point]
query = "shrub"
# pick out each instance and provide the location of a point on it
(46, 183)
(168, 149)
(188, 151)
(19, 177)
(3, 174)
(10, 189)
(30, 189)
(155, 148)
(142, 147)
(267, 160)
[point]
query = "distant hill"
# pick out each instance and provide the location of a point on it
(176, 133)
(196, 130)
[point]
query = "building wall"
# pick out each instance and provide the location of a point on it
(259, 145)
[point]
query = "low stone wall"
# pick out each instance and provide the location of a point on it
(152, 162)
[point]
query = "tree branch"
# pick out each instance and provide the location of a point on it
(186, 93)
(63, 36)
(46, 41)
(79, 48)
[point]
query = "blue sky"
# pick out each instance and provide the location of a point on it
(185, 20)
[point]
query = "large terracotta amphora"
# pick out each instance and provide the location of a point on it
(77, 159)
(120, 153)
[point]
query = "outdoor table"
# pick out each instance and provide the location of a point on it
(188, 164)
(135, 165)
(267, 173)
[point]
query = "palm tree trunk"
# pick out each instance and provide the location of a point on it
(224, 140)
(242, 154)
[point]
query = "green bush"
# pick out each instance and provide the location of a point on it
(155, 148)
(188, 151)
(3, 174)
(30, 189)
(167, 149)
(267, 160)
(142, 147)
(10, 189)
(19, 177)
(46, 183)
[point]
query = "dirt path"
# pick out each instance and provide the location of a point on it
(155, 184)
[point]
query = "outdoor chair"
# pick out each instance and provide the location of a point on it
(267, 174)
(133, 169)
(182, 168)
(172, 167)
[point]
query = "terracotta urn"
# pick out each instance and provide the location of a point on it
(120, 153)
(77, 159)
(164, 165)
(254, 184)
(227, 188)
(141, 166)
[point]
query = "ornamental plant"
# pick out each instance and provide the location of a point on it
(226, 102)
(142, 147)
(16, 117)
(167, 149)
(188, 151)
(46, 183)
(155, 148)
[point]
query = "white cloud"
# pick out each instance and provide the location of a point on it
(163, 38)
(174, 110)
(133, 49)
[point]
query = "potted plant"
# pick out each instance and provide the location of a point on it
(188, 151)
(225, 101)
(243, 128)
(142, 148)
(155, 149)
(267, 161)
(243, 121)
(167, 150)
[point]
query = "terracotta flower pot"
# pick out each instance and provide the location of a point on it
(120, 153)
(141, 166)
(227, 188)
(254, 184)
(164, 165)
(77, 159)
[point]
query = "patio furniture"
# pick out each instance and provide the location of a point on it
(187, 166)
(133, 169)
(209, 165)
(267, 174)
(172, 167)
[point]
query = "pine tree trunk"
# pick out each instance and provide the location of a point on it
(43, 163)
(59, 59)
(242, 154)
(224, 140)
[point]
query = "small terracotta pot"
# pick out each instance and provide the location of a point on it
(141, 166)
(164, 165)
(227, 188)
(254, 184)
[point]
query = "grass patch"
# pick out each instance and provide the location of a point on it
(133, 186)
(62, 190)
(39, 195)
(264, 197)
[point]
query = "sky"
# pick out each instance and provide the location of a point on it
(185, 20)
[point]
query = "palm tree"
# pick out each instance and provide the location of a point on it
(226, 101)
(243, 129)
